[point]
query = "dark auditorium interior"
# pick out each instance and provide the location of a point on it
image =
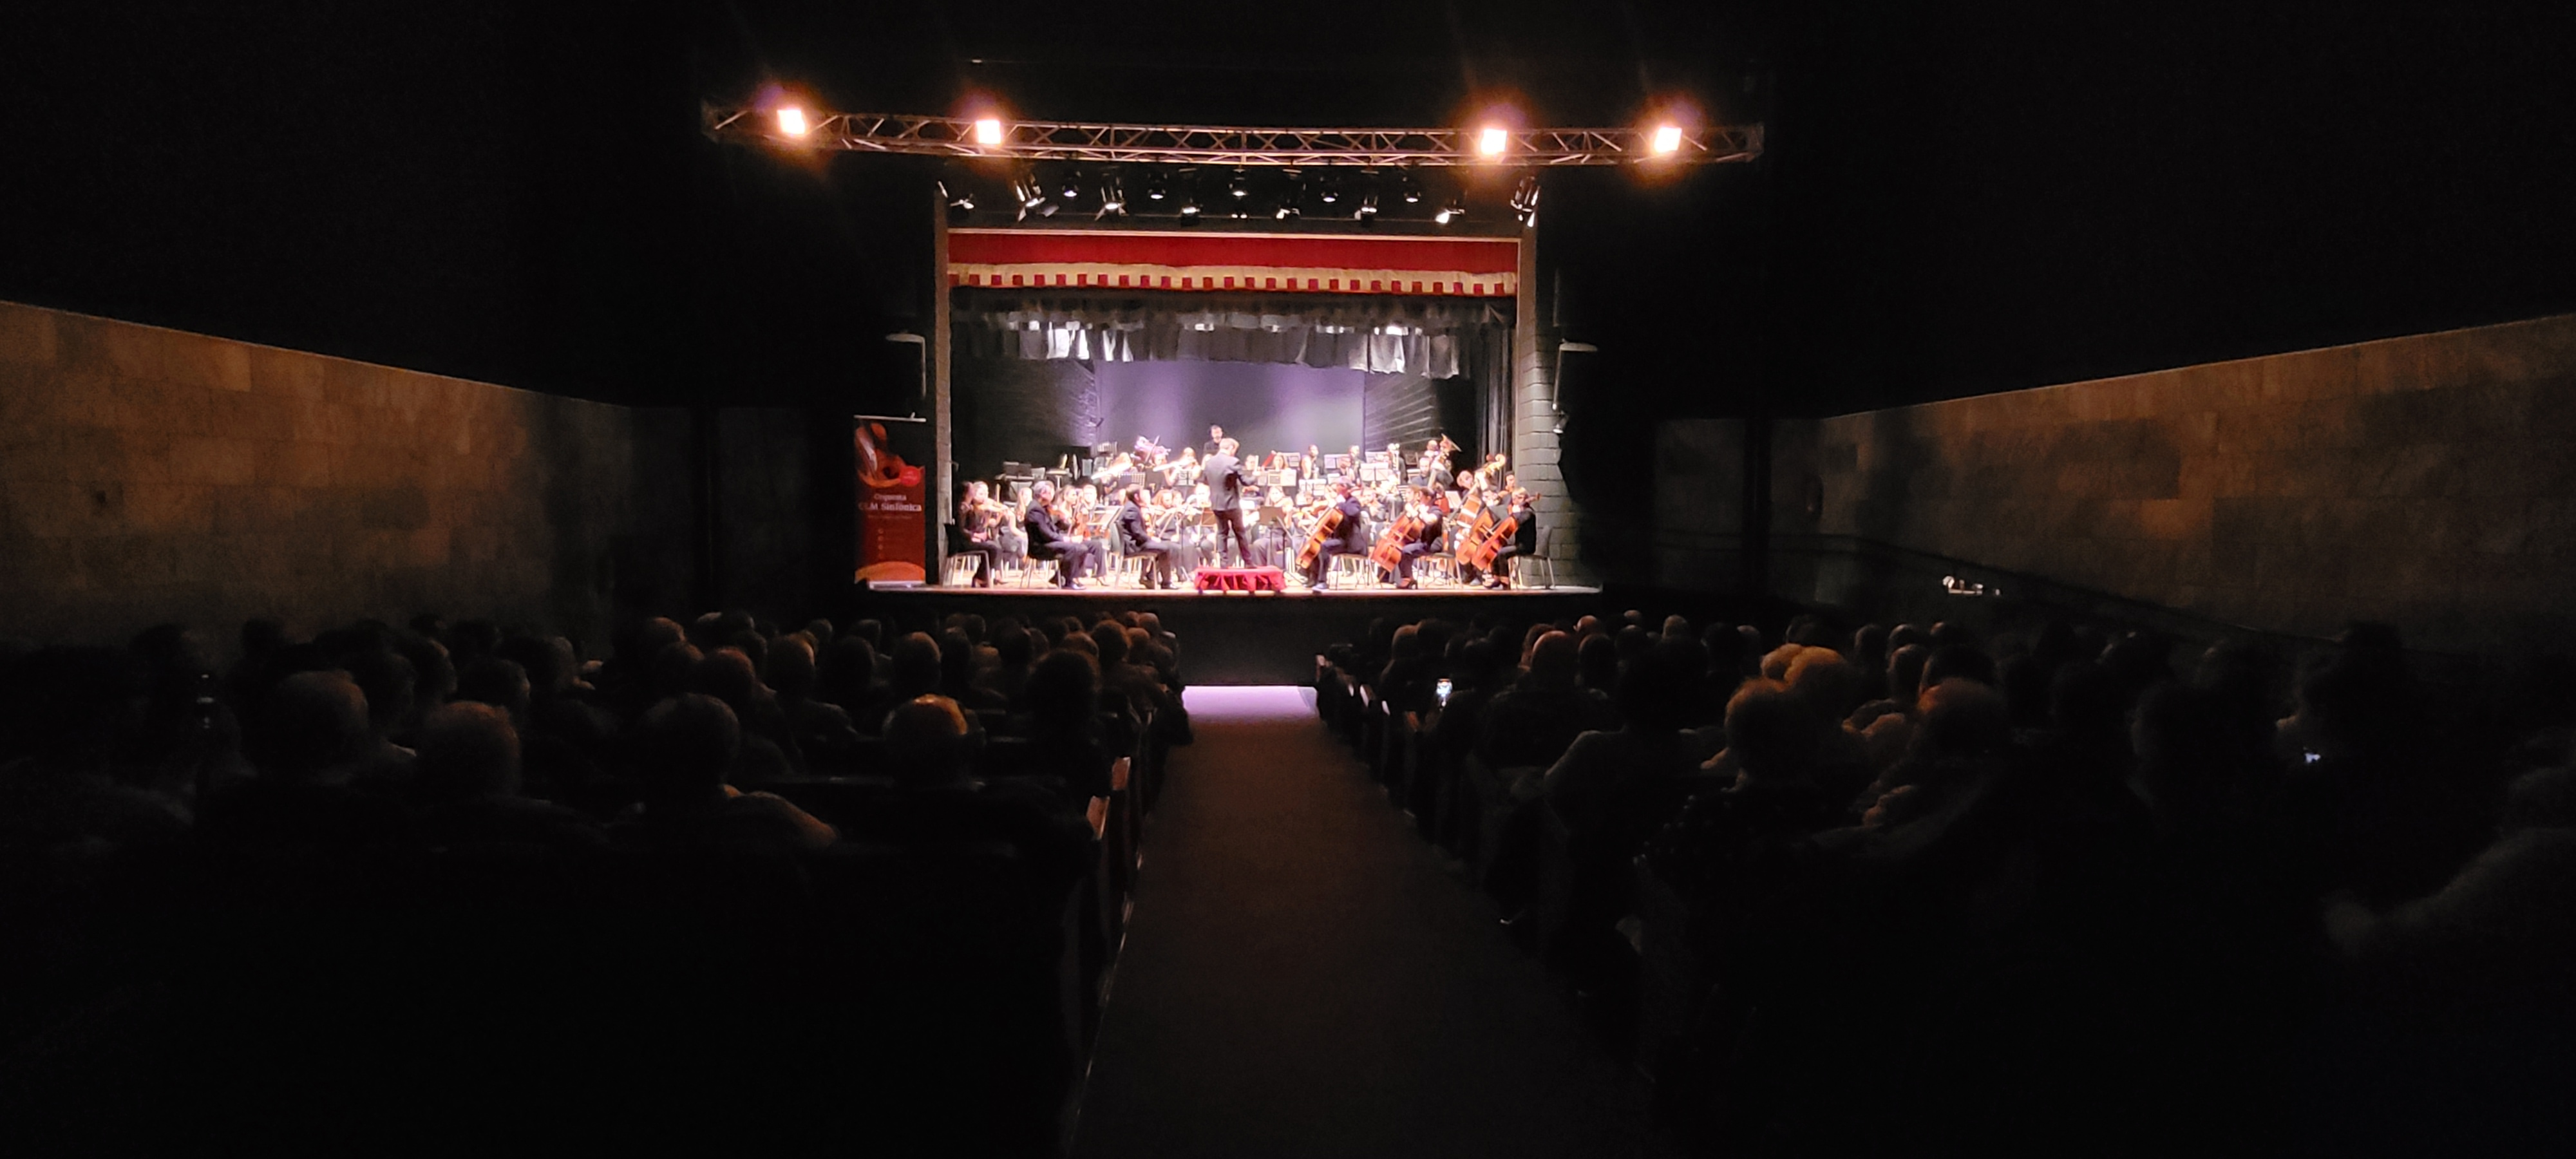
(1944, 578)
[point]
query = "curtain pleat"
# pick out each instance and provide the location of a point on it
(1377, 334)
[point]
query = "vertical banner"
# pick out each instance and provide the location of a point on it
(894, 530)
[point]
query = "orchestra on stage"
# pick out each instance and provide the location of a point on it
(1151, 517)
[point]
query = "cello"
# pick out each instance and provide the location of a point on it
(1481, 546)
(1325, 526)
(1390, 546)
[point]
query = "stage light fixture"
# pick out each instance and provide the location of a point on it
(1668, 139)
(962, 198)
(1073, 185)
(1239, 186)
(1455, 209)
(1026, 189)
(1113, 195)
(791, 121)
(1368, 205)
(1408, 188)
(1525, 200)
(1493, 140)
(1155, 187)
(1328, 189)
(988, 130)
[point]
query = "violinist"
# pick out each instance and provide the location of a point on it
(1524, 541)
(1050, 537)
(1135, 538)
(1349, 538)
(979, 517)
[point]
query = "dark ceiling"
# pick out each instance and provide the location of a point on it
(1957, 197)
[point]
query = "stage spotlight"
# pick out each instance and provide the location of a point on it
(1073, 185)
(962, 198)
(988, 130)
(1328, 189)
(791, 121)
(1239, 186)
(1113, 195)
(1455, 209)
(1025, 188)
(1368, 205)
(1668, 139)
(1155, 187)
(1493, 140)
(1408, 188)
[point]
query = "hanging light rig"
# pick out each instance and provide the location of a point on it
(1668, 143)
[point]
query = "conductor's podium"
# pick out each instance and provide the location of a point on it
(1240, 579)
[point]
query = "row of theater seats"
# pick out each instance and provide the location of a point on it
(1608, 929)
(928, 985)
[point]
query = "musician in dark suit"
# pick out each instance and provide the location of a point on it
(1425, 542)
(1351, 538)
(1135, 538)
(1216, 435)
(1524, 538)
(1224, 479)
(1049, 539)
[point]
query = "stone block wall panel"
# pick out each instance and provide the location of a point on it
(149, 475)
(2426, 480)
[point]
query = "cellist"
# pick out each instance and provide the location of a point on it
(1427, 538)
(1524, 540)
(1349, 537)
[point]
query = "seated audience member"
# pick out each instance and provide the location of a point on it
(1613, 787)
(466, 787)
(1408, 680)
(313, 730)
(686, 749)
(2498, 935)
(1964, 724)
(957, 679)
(768, 744)
(1067, 740)
(915, 673)
(1536, 720)
(1596, 662)
(62, 714)
(845, 677)
(822, 729)
(497, 682)
(387, 682)
(930, 751)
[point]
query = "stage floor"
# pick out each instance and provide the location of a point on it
(1238, 637)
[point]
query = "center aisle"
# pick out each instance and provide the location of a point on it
(1302, 977)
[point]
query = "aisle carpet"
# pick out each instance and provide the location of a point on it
(1302, 977)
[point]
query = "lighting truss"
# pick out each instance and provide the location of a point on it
(1208, 145)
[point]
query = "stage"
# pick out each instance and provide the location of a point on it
(1237, 637)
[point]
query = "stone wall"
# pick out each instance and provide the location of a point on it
(2428, 480)
(1699, 503)
(150, 475)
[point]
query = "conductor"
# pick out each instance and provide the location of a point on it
(1224, 479)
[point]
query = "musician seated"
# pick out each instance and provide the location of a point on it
(1424, 542)
(979, 517)
(1135, 538)
(1349, 538)
(1524, 539)
(1051, 539)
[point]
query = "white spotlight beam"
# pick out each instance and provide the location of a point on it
(1214, 145)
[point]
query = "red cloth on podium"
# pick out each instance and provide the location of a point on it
(1240, 579)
